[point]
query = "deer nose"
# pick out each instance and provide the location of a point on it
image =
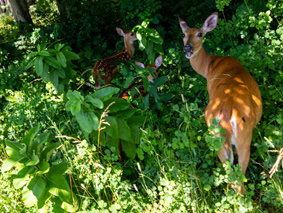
(188, 48)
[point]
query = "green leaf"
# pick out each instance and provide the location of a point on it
(112, 142)
(105, 93)
(125, 114)
(61, 73)
(37, 185)
(44, 53)
(111, 130)
(29, 198)
(94, 101)
(145, 83)
(136, 134)
(61, 59)
(136, 120)
(128, 82)
(129, 148)
(27, 140)
(52, 62)
(13, 146)
(160, 81)
(33, 160)
(54, 78)
(156, 39)
(74, 95)
(38, 142)
(38, 65)
(70, 55)
(23, 176)
(88, 121)
(59, 168)
(68, 207)
(119, 104)
(30, 64)
(48, 150)
(124, 130)
(58, 186)
(146, 101)
(43, 167)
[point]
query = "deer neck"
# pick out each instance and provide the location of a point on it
(200, 62)
(129, 47)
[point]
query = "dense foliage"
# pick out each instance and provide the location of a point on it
(61, 138)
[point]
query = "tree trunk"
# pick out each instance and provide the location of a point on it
(20, 11)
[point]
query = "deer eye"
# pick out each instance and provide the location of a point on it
(132, 34)
(183, 35)
(200, 35)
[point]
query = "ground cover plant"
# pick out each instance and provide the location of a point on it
(60, 136)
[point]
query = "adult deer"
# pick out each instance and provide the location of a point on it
(104, 69)
(158, 61)
(234, 96)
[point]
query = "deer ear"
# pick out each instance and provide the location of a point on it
(120, 31)
(183, 25)
(140, 64)
(210, 23)
(158, 61)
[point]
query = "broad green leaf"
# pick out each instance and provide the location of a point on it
(124, 130)
(68, 207)
(153, 92)
(29, 198)
(136, 133)
(44, 53)
(129, 148)
(41, 203)
(48, 150)
(105, 93)
(30, 64)
(136, 120)
(39, 142)
(33, 160)
(119, 104)
(54, 78)
(88, 121)
(38, 65)
(125, 114)
(43, 167)
(45, 72)
(37, 185)
(112, 142)
(156, 39)
(160, 81)
(52, 62)
(128, 82)
(58, 46)
(23, 176)
(61, 59)
(58, 186)
(59, 168)
(95, 101)
(13, 147)
(27, 140)
(145, 83)
(74, 95)
(61, 73)
(11, 161)
(111, 129)
(146, 100)
(70, 55)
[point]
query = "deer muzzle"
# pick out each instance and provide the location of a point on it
(188, 49)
